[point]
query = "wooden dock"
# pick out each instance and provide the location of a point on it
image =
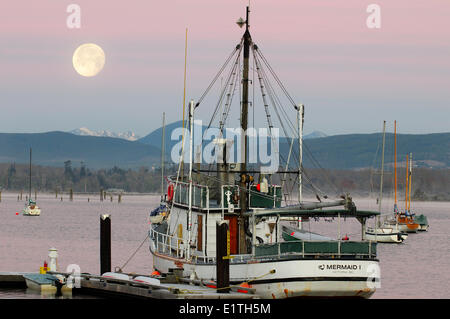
(170, 287)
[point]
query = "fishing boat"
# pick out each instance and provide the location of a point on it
(31, 209)
(263, 251)
(386, 232)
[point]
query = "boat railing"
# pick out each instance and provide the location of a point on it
(312, 248)
(168, 244)
(200, 195)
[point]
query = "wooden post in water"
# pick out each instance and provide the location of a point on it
(21, 195)
(101, 195)
(71, 195)
(56, 193)
(0, 196)
(105, 243)
(119, 198)
(35, 195)
(222, 250)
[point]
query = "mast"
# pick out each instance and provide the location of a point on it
(163, 153)
(395, 167)
(406, 186)
(29, 197)
(184, 106)
(300, 115)
(409, 187)
(382, 170)
(189, 221)
(244, 124)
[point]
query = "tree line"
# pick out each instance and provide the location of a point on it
(427, 184)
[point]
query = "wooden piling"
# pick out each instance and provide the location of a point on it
(20, 195)
(35, 195)
(119, 198)
(0, 196)
(56, 193)
(101, 195)
(71, 195)
(105, 243)
(223, 264)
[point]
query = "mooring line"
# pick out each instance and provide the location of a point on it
(120, 268)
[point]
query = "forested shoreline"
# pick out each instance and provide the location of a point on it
(427, 184)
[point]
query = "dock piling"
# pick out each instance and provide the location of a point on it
(223, 264)
(105, 243)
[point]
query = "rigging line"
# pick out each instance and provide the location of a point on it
(227, 85)
(276, 77)
(134, 252)
(263, 95)
(230, 96)
(238, 48)
(321, 169)
(231, 84)
(264, 82)
(278, 106)
(316, 188)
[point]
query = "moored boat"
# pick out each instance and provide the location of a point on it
(31, 209)
(265, 255)
(405, 219)
(385, 232)
(422, 221)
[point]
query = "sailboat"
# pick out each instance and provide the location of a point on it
(405, 219)
(277, 261)
(31, 209)
(386, 232)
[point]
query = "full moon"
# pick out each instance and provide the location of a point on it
(88, 59)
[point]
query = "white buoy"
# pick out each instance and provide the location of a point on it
(53, 254)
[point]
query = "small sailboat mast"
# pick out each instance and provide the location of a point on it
(409, 186)
(163, 155)
(395, 167)
(300, 112)
(29, 195)
(191, 133)
(406, 186)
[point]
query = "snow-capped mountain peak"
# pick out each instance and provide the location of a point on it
(84, 131)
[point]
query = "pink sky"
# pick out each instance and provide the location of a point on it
(322, 50)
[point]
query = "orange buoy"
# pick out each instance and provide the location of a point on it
(156, 273)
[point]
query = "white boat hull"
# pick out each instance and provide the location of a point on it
(28, 211)
(291, 278)
(386, 235)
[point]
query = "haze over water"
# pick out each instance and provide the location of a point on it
(415, 269)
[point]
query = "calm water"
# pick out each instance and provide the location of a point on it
(415, 269)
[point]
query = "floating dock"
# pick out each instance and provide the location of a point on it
(169, 287)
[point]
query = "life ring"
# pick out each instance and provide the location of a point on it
(170, 192)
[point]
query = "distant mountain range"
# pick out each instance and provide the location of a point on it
(54, 148)
(83, 131)
(351, 151)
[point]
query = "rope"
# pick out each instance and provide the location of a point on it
(120, 268)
